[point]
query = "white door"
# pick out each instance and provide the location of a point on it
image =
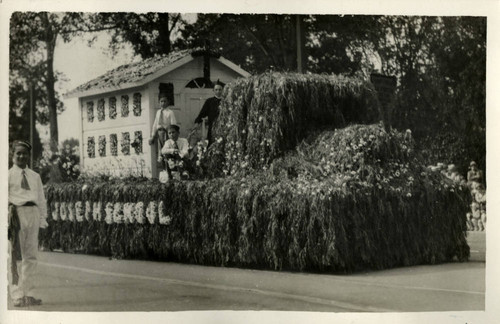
(194, 100)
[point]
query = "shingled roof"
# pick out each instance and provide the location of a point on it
(136, 74)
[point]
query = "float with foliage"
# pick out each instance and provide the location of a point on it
(293, 181)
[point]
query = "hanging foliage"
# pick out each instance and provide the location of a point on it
(344, 200)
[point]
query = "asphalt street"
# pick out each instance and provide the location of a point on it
(75, 282)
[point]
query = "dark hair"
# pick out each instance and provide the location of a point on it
(163, 95)
(174, 127)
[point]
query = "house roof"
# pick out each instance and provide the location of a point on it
(139, 73)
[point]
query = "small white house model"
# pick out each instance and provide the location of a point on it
(117, 109)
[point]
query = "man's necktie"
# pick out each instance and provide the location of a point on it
(24, 182)
(176, 146)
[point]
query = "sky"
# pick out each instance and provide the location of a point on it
(81, 63)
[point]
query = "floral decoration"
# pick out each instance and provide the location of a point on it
(88, 210)
(71, 211)
(55, 208)
(91, 147)
(137, 104)
(109, 213)
(139, 212)
(152, 212)
(137, 144)
(125, 109)
(63, 211)
(118, 216)
(100, 110)
(79, 212)
(90, 111)
(113, 144)
(97, 211)
(102, 145)
(112, 108)
(126, 143)
(128, 212)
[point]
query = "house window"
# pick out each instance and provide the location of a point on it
(91, 147)
(112, 108)
(200, 83)
(137, 144)
(125, 106)
(168, 88)
(137, 104)
(90, 111)
(126, 143)
(113, 144)
(100, 110)
(102, 145)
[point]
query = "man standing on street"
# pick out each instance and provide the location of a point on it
(27, 210)
(210, 109)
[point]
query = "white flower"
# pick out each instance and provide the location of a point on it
(152, 212)
(96, 211)
(118, 213)
(55, 210)
(164, 219)
(88, 210)
(79, 211)
(139, 212)
(109, 213)
(63, 211)
(128, 212)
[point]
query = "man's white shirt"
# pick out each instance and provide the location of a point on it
(19, 196)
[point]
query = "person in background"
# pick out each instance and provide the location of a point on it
(210, 110)
(474, 176)
(27, 214)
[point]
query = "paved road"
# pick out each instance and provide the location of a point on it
(71, 282)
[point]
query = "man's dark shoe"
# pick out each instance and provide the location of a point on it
(20, 302)
(32, 301)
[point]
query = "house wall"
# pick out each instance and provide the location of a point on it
(187, 104)
(121, 163)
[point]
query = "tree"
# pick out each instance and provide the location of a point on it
(33, 38)
(149, 34)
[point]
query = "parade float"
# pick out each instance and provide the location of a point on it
(301, 176)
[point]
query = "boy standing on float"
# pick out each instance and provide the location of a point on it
(27, 214)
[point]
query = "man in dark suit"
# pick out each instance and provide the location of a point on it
(210, 109)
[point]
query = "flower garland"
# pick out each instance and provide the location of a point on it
(88, 210)
(79, 211)
(137, 144)
(97, 211)
(71, 211)
(100, 110)
(118, 216)
(128, 212)
(164, 219)
(90, 111)
(125, 109)
(63, 211)
(113, 140)
(102, 145)
(126, 143)
(91, 147)
(109, 213)
(137, 104)
(152, 212)
(112, 108)
(139, 212)
(55, 208)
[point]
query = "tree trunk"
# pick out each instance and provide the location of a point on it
(50, 41)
